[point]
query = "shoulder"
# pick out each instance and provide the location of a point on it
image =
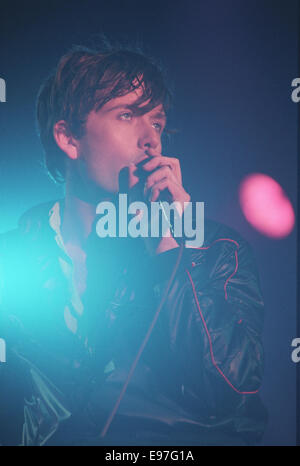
(33, 223)
(21, 248)
(220, 235)
(224, 251)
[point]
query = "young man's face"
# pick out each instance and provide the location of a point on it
(116, 137)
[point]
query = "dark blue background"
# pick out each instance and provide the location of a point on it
(231, 64)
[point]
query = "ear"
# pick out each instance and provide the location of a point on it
(65, 140)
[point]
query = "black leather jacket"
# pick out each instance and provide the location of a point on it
(198, 377)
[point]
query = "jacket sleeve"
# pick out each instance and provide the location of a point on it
(216, 318)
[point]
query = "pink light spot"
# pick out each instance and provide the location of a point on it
(266, 206)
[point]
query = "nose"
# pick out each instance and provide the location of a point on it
(148, 138)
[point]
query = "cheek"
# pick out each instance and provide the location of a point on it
(107, 148)
(108, 142)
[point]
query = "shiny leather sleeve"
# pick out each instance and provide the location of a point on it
(215, 314)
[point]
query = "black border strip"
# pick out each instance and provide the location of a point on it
(298, 241)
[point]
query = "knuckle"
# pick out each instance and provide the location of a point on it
(176, 161)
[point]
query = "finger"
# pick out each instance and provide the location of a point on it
(157, 175)
(160, 161)
(157, 189)
(170, 191)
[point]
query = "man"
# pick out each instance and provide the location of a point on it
(123, 341)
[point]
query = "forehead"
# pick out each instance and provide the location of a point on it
(131, 100)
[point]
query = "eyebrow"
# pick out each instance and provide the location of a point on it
(158, 115)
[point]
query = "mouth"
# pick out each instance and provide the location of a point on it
(141, 174)
(141, 158)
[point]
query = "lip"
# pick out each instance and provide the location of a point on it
(141, 174)
(141, 158)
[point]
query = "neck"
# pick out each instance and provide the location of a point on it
(79, 215)
(77, 220)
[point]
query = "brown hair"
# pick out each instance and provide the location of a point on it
(85, 80)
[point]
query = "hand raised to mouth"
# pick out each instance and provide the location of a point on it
(136, 181)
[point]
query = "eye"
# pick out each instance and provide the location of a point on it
(126, 116)
(158, 126)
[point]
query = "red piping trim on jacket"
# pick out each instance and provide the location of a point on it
(204, 323)
(236, 259)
